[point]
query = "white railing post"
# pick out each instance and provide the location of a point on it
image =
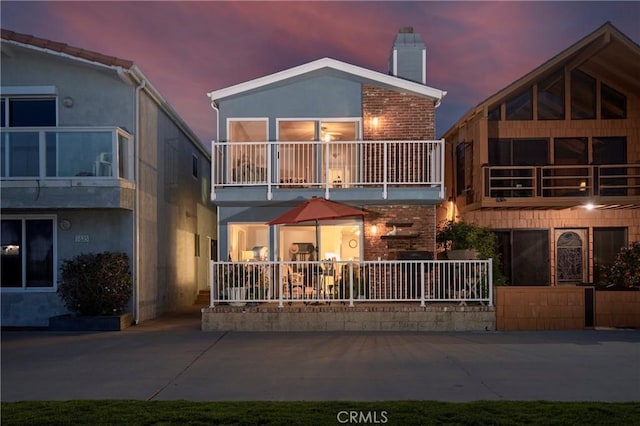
(422, 285)
(214, 178)
(385, 167)
(441, 154)
(351, 283)
(269, 162)
(280, 285)
(326, 169)
(212, 279)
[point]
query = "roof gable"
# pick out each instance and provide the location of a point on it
(359, 73)
(597, 51)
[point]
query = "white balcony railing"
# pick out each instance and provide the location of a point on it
(65, 152)
(328, 165)
(351, 282)
(562, 181)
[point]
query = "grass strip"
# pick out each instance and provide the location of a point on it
(119, 412)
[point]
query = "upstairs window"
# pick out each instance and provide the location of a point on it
(613, 103)
(583, 96)
(494, 113)
(571, 151)
(29, 112)
(520, 107)
(551, 97)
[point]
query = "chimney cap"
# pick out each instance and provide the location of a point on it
(406, 30)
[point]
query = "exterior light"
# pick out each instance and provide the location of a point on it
(589, 206)
(374, 229)
(375, 121)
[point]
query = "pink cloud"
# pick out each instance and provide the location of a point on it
(189, 48)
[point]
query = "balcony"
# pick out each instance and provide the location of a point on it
(66, 167)
(353, 170)
(561, 185)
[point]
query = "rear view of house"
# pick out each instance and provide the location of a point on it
(552, 163)
(94, 159)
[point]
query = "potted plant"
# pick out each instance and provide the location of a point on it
(235, 280)
(257, 284)
(467, 241)
(462, 240)
(96, 287)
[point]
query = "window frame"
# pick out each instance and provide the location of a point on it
(24, 288)
(6, 100)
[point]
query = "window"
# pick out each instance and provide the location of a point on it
(613, 103)
(520, 107)
(525, 256)
(196, 241)
(460, 183)
(609, 150)
(247, 153)
(583, 96)
(551, 97)
(494, 113)
(607, 242)
(195, 166)
(248, 241)
(28, 253)
(570, 151)
(518, 152)
(29, 112)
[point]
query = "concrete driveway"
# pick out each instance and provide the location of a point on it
(171, 359)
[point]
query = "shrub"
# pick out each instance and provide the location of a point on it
(625, 271)
(96, 284)
(463, 235)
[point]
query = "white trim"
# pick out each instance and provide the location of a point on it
(363, 73)
(28, 90)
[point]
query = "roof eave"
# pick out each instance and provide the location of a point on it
(365, 74)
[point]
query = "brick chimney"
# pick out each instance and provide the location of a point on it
(408, 57)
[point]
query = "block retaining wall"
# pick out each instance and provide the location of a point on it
(343, 318)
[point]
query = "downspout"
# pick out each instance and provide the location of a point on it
(136, 203)
(212, 195)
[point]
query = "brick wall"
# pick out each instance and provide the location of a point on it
(423, 219)
(400, 116)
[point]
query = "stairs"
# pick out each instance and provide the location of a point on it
(203, 298)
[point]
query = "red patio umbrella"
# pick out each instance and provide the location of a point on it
(316, 209)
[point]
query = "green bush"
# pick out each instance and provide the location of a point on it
(96, 284)
(625, 271)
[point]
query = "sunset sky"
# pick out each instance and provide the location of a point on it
(189, 48)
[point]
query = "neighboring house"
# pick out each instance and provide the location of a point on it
(94, 159)
(334, 130)
(552, 163)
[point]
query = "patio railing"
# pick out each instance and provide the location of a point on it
(562, 181)
(333, 165)
(65, 152)
(351, 282)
